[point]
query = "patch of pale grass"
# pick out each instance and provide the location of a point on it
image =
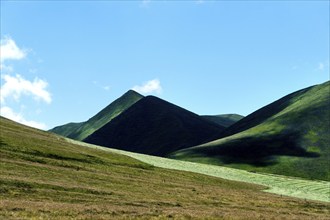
(281, 185)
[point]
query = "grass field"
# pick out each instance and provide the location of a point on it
(282, 185)
(43, 176)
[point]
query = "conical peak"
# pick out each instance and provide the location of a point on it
(132, 92)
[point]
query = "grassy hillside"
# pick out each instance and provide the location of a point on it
(290, 136)
(278, 184)
(44, 176)
(156, 127)
(80, 131)
(224, 120)
(66, 130)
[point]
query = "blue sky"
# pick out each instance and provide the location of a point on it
(64, 61)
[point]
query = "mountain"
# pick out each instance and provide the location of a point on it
(290, 136)
(224, 120)
(156, 127)
(80, 131)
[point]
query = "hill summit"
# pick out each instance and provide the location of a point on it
(80, 131)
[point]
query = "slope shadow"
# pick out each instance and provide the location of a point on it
(258, 151)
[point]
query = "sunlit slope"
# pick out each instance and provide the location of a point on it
(79, 131)
(290, 136)
(225, 120)
(66, 130)
(42, 176)
(278, 184)
(156, 127)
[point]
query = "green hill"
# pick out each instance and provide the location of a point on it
(43, 176)
(224, 120)
(80, 131)
(66, 130)
(290, 136)
(156, 127)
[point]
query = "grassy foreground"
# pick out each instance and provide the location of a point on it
(44, 176)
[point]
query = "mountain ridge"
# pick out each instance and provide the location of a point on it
(290, 136)
(84, 129)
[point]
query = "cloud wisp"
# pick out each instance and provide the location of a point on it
(10, 51)
(152, 86)
(199, 2)
(321, 66)
(104, 87)
(145, 3)
(7, 112)
(16, 86)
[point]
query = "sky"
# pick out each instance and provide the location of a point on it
(63, 61)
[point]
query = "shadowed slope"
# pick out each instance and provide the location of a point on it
(154, 126)
(80, 131)
(290, 136)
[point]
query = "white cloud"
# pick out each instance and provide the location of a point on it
(107, 88)
(16, 86)
(152, 86)
(10, 51)
(7, 112)
(145, 3)
(321, 66)
(199, 2)
(6, 68)
(97, 84)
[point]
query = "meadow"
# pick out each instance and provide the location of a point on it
(278, 184)
(43, 176)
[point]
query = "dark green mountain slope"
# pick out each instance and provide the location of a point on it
(224, 120)
(290, 136)
(80, 131)
(154, 126)
(66, 130)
